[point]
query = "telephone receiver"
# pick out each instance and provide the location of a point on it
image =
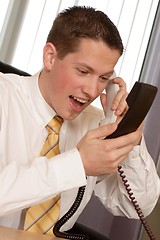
(111, 91)
(139, 102)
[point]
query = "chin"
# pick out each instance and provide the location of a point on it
(71, 116)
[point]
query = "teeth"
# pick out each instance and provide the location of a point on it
(80, 100)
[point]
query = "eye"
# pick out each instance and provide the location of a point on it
(104, 78)
(82, 71)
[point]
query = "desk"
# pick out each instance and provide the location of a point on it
(13, 234)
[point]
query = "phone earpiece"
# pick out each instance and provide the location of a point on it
(111, 92)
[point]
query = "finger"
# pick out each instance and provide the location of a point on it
(126, 140)
(119, 101)
(123, 152)
(102, 131)
(114, 165)
(118, 156)
(120, 82)
(121, 104)
(141, 126)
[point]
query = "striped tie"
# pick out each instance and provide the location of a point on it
(42, 217)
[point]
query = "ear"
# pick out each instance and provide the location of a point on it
(49, 54)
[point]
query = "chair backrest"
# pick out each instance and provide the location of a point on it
(6, 68)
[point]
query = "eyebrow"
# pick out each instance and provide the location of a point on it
(86, 66)
(92, 70)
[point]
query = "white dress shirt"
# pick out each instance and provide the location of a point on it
(27, 179)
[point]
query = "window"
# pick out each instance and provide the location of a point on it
(133, 19)
(3, 10)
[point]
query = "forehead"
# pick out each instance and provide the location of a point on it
(96, 54)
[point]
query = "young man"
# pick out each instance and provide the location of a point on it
(79, 57)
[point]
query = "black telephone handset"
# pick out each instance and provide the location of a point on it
(139, 102)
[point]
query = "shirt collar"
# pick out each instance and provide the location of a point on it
(41, 110)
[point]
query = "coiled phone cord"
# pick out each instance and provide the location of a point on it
(77, 202)
(67, 216)
(136, 206)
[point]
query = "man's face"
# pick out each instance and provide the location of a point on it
(71, 84)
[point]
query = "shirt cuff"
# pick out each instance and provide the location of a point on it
(68, 170)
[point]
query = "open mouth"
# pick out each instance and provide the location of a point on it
(77, 102)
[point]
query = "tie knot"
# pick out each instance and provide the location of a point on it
(50, 147)
(54, 124)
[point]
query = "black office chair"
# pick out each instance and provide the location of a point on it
(6, 68)
(77, 228)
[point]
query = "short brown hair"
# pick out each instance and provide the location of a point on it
(75, 23)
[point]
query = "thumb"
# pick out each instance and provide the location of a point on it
(103, 131)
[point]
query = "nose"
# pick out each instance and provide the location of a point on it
(91, 88)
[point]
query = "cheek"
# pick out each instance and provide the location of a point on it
(65, 81)
(60, 89)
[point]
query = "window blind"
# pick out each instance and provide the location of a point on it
(133, 18)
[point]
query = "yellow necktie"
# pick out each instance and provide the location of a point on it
(42, 217)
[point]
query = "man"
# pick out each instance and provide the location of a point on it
(79, 57)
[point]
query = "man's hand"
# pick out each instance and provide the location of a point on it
(103, 156)
(119, 104)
